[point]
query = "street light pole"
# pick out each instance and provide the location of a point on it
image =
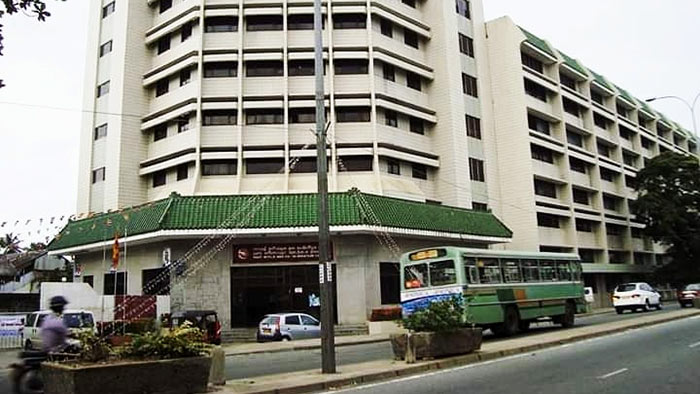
(324, 265)
(689, 105)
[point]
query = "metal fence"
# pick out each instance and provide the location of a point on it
(12, 330)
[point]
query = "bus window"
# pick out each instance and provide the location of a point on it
(511, 270)
(563, 270)
(489, 271)
(576, 270)
(416, 276)
(471, 275)
(443, 273)
(547, 270)
(531, 273)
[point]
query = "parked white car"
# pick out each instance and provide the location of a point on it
(76, 320)
(634, 296)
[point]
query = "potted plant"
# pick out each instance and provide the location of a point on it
(172, 362)
(441, 329)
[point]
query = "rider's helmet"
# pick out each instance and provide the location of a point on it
(57, 303)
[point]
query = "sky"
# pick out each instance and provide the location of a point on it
(647, 47)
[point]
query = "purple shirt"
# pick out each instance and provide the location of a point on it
(53, 333)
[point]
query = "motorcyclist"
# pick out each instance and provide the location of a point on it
(53, 329)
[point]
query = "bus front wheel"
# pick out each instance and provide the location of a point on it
(567, 319)
(510, 324)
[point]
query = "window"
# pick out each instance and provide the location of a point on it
(162, 87)
(183, 124)
(574, 138)
(410, 3)
(603, 150)
(164, 44)
(531, 272)
(220, 24)
(535, 90)
(621, 110)
(577, 165)
(391, 118)
(160, 132)
(584, 226)
(350, 21)
(355, 163)
(646, 144)
(185, 76)
(264, 166)
(416, 126)
(100, 131)
(155, 281)
(386, 27)
(567, 81)
(159, 178)
(264, 22)
(580, 197)
(630, 181)
(511, 271)
(416, 276)
(443, 273)
(186, 32)
(610, 203)
(597, 97)
(469, 85)
(112, 279)
(571, 107)
(463, 8)
(613, 229)
(302, 115)
(629, 159)
(393, 167)
(164, 5)
(309, 321)
(546, 220)
(607, 175)
(419, 171)
(292, 320)
(350, 66)
(489, 271)
(390, 283)
(413, 81)
(183, 171)
(264, 116)
(102, 89)
(548, 271)
(473, 127)
(542, 154)
(304, 165)
(389, 72)
(300, 22)
(106, 48)
(98, 175)
(410, 38)
(301, 68)
(587, 255)
(476, 170)
(264, 68)
(600, 121)
(466, 45)
(537, 124)
(546, 189)
(352, 114)
(480, 206)
(220, 70)
(219, 167)
(531, 63)
(108, 10)
(626, 133)
(219, 117)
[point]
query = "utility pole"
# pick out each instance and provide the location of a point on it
(324, 266)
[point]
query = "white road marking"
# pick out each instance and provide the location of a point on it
(696, 344)
(611, 374)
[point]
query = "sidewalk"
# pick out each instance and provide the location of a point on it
(238, 349)
(313, 380)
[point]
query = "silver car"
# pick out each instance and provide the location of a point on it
(287, 327)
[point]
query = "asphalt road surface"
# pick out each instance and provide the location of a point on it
(659, 359)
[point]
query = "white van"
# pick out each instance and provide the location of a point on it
(76, 321)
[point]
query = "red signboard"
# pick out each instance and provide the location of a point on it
(273, 253)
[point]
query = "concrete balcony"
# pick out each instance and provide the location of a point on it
(268, 134)
(553, 237)
(627, 144)
(404, 138)
(217, 136)
(573, 120)
(588, 240)
(263, 86)
(350, 38)
(351, 84)
(393, 89)
(174, 11)
(174, 96)
(220, 87)
(580, 179)
(393, 45)
(616, 242)
(172, 144)
(605, 134)
(302, 134)
(227, 40)
(611, 187)
(263, 40)
(405, 10)
(542, 107)
(304, 38)
(305, 85)
(546, 170)
(177, 51)
(360, 132)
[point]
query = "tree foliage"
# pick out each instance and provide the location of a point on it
(9, 244)
(33, 8)
(669, 205)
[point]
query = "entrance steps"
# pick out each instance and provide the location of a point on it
(238, 335)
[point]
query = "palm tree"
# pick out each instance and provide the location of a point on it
(10, 244)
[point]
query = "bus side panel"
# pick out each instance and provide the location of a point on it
(479, 314)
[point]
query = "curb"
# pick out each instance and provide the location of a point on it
(305, 347)
(453, 362)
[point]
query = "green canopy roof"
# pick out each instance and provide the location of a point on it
(538, 42)
(571, 62)
(351, 208)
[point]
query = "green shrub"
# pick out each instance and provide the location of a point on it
(182, 341)
(93, 348)
(445, 315)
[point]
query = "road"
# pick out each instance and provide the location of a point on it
(659, 359)
(248, 366)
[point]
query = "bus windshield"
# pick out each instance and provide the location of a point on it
(436, 273)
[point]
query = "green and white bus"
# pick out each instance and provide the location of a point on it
(503, 291)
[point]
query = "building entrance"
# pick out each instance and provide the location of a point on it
(257, 291)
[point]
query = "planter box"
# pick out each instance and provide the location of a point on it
(438, 344)
(177, 376)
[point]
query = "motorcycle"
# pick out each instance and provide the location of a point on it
(25, 376)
